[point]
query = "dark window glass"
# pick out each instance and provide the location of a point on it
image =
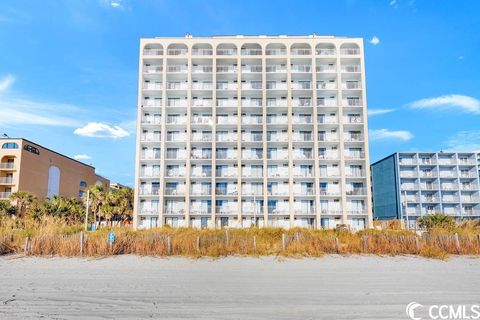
(10, 145)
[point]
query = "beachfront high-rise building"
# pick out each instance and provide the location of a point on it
(242, 130)
(409, 185)
(27, 166)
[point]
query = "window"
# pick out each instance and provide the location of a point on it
(10, 145)
(83, 184)
(31, 149)
(80, 193)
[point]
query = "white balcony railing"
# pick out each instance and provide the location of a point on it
(6, 180)
(7, 165)
(5, 195)
(350, 51)
(325, 52)
(152, 52)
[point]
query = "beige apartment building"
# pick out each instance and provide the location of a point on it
(27, 166)
(235, 131)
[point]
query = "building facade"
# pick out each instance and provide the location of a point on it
(410, 185)
(27, 166)
(241, 131)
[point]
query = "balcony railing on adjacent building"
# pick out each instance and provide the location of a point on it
(7, 165)
(6, 180)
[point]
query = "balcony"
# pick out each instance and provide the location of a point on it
(304, 85)
(329, 192)
(302, 120)
(230, 155)
(301, 52)
(226, 69)
(280, 173)
(7, 165)
(252, 85)
(152, 86)
(177, 52)
(445, 161)
(5, 195)
(428, 174)
(202, 69)
(282, 120)
(326, 68)
(249, 137)
(329, 173)
(201, 137)
(448, 174)
(278, 155)
(277, 103)
(429, 199)
(301, 102)
(354, 155)
(252, 120)
(356, 174)
(151, 120)
(148, 191)
(278, 137)
(152, 52)
(177, 69)
(450, 199)
(352, 85)
(408, 174)
(252, 69)
(176, 120)
(322, 85)
(228, 120)
(174, 191)
(228, 191)
(150, 155)
(6, 180)
(321, 102)
(202, 86)
(200, 210)
(430, 186)
(199, 154)
(470, 199)
(251, 52)
(202, 103)
(351, 69)
(153, 69)
(152, 103)
(226, 86)
(201, 192)
(327, 137)
(207, 120)
(302, 137)
(177, 86)
(467, 175)
(176, 137)
(202, 52)
(199, 173)
(175, 155)
(226, 52)
(273, 85)
(252, 103)
(179, 103)
(357, 192)
(303, 174)
(350, 51)
(328, 155)
(276, 68)
(353, 102)
(304, 191)
(175, 173)
(150, 138)
(325, 52)
(275, 52)
(301, 68)
(229, 137)
(352, 120)
(354, 138)
(299, 155)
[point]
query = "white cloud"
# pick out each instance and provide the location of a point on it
(393, 3)
(101, 130)
(376, 112)
(82, 157)
(384, 134)
(453, 101)
(115, 4)
(375, 40)
(460, 57)
(26, 112)
(468, 140)
(6, 82)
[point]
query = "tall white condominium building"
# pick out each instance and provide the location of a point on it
(252, 130)
(408, 185)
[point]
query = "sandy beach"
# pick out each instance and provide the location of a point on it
(130, 287)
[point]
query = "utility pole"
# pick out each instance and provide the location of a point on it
(86, 211)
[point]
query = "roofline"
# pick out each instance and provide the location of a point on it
(237, 36)
(58, 153)
(378, 161)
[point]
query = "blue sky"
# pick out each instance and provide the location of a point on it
(68, 69)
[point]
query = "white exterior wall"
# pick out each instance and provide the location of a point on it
(240, 130)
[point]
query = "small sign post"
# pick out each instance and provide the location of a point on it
(111, 239)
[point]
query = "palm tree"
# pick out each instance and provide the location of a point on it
(23, 200)
(437, 220)
(123, 203)
(97, 199)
